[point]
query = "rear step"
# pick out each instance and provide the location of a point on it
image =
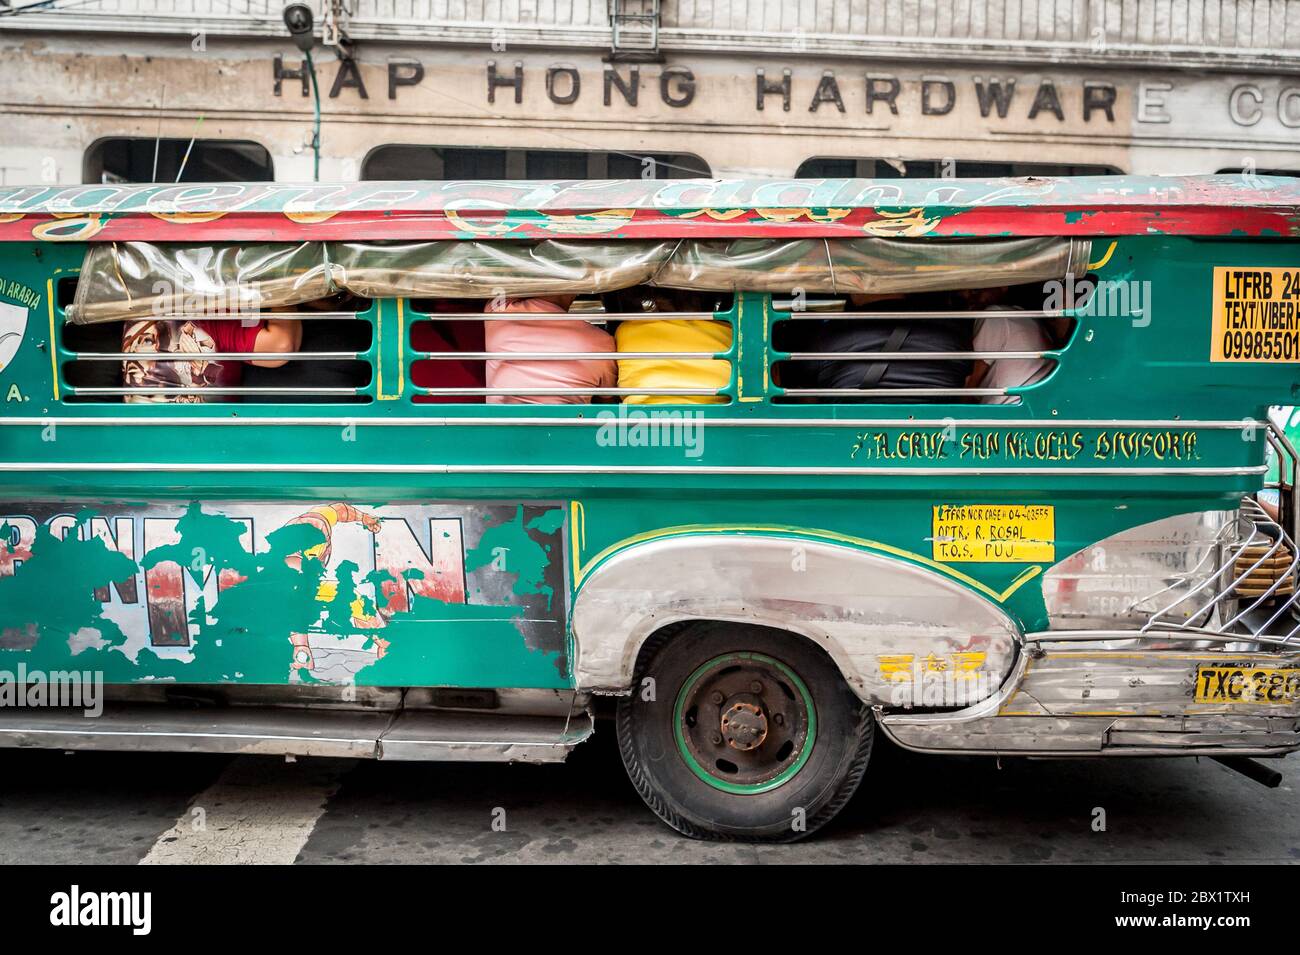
(409, 735)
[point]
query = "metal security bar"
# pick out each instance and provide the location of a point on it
(230, 390)
(222, 356)
(577, 392)
(102, 391)
(890, 356)
(252, 318)
(809, 316)
(601, 317)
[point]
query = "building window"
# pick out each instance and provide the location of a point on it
(446, 163)
(1238, 170)
(165, 160)
(821, 167)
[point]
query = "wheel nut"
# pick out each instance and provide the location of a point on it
(756, 687)
(717, 739)
(779, 719)
(717, 697)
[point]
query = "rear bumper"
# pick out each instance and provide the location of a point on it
(1108, 697)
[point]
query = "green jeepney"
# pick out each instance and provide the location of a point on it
(755, 577)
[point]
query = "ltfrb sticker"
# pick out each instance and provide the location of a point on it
(1256, 315)
(995, 533)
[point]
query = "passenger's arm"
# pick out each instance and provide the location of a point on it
(277, 335)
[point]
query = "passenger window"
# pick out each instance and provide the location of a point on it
(962, 346)
(639, 345)
(317, 352)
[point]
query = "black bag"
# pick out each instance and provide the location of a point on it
(847, 335)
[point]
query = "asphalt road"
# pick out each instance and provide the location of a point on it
(129, 808)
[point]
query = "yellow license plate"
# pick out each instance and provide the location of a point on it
(1229, 684)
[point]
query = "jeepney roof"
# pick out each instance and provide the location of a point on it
(1082, 206)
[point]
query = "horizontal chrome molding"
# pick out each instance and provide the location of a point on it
(1189, 635)
(315, 467)
(610, 412)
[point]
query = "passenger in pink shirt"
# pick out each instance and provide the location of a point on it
(561, 335)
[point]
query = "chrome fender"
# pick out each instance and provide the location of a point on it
(883, 621)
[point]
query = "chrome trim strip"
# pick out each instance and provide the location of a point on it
(1106, 752)
(319, 468)
(556, 422)
(218, 356)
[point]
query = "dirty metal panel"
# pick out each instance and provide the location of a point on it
(450, 594)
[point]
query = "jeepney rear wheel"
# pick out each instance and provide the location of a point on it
(750, 734)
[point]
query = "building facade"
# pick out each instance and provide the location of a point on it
(143, 90)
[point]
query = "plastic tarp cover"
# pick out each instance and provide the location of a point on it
(125, 280)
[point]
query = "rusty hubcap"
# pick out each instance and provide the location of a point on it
(744, 722)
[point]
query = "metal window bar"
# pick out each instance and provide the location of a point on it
(570, 356)
(810, 316)
(227, 390)
(612, 392)
(911, 355)
(894, 392)
(594, 318)
(935, 315)
(221, 356)
(252, 318)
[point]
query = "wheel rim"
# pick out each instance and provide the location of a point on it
(744, 723)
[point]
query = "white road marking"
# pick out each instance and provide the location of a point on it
(260, 810)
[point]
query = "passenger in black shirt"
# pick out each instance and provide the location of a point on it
(885, 335)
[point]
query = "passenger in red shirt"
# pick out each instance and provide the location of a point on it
(198, 337)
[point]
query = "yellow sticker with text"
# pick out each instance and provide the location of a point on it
(1256, 314)
(995, 533)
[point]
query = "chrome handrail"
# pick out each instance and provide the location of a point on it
(1252, 528)
(506, 392)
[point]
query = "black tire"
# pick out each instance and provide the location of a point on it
(656, 742)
